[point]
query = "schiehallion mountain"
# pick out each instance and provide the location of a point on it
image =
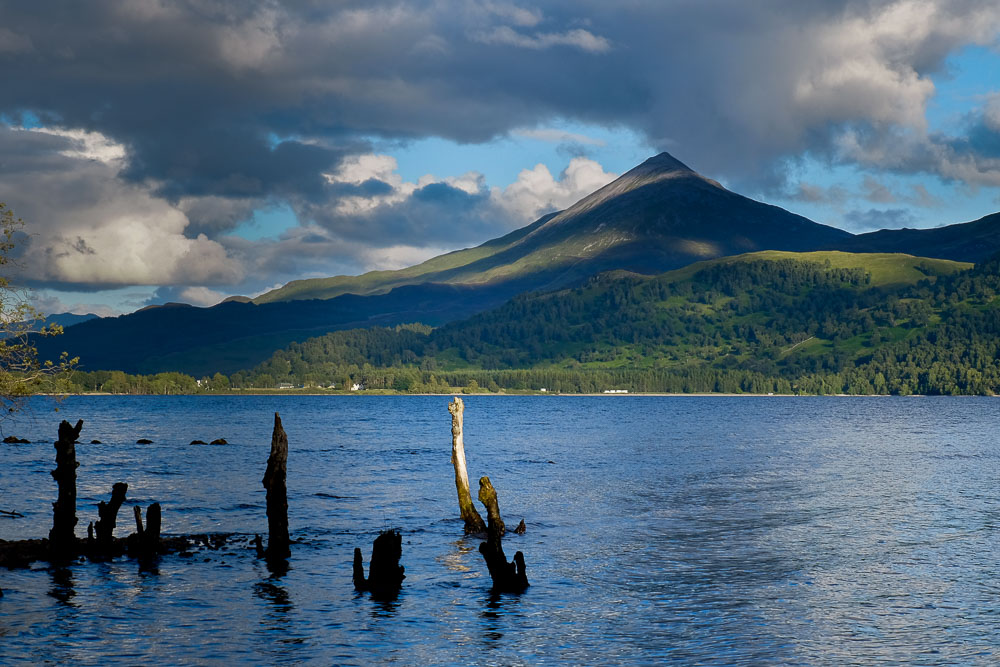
(661, 215)
(658, 216)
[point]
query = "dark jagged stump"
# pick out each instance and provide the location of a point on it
(62, 540)
(507, 577)
(108, 513)
(385, 574)
(277, 495)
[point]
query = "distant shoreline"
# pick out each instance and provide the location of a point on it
(525, 394)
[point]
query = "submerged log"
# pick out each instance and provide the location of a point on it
(385, 574)
(62, 538)
(108, 513)
(277, 494)
(507, 577)
(473, 522)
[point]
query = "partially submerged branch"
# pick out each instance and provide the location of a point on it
(507, 577)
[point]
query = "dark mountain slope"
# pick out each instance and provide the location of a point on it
(966, 242)
(234, 335)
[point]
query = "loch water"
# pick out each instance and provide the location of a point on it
(708, 530)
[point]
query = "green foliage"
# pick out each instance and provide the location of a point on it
(21, 372)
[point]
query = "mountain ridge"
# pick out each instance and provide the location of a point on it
(658, 216)
(655, 217)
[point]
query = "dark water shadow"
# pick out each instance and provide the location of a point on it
(497, 607)
(278, 567)
(385, 606)
(277, 597)
(63, 588)
(278, 622)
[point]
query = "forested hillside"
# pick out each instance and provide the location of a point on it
(759, 324)
(773, 322)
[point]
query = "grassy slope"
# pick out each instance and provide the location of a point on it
(377, 282)
(885, 268)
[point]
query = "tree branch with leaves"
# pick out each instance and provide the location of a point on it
(21, 372)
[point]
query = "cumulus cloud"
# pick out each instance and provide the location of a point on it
(87, 227)
(373, 202)
(536, 192)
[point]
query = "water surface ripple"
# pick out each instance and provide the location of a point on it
(724, 530)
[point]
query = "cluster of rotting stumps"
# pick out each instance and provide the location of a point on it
(146, 544)
(62, 547)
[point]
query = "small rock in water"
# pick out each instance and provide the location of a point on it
(219, 441)
(14, 440)
(143, 441)
(521, 528)
(198, 442)
(96, 442)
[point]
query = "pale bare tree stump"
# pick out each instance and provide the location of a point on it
(473, 522)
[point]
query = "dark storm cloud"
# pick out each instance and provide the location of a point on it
(222, 107)
(434, 214)
(199, 89)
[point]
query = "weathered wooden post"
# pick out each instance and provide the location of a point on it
(62, 538)
(108, 513)
(507, 577)
(473, 522)
(277, 494)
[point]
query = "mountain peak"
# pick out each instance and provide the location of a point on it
(662, 163)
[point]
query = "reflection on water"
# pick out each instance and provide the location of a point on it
(384, 607)
(705, 530)
(62, 585)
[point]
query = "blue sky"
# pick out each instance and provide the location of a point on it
(228, 149)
